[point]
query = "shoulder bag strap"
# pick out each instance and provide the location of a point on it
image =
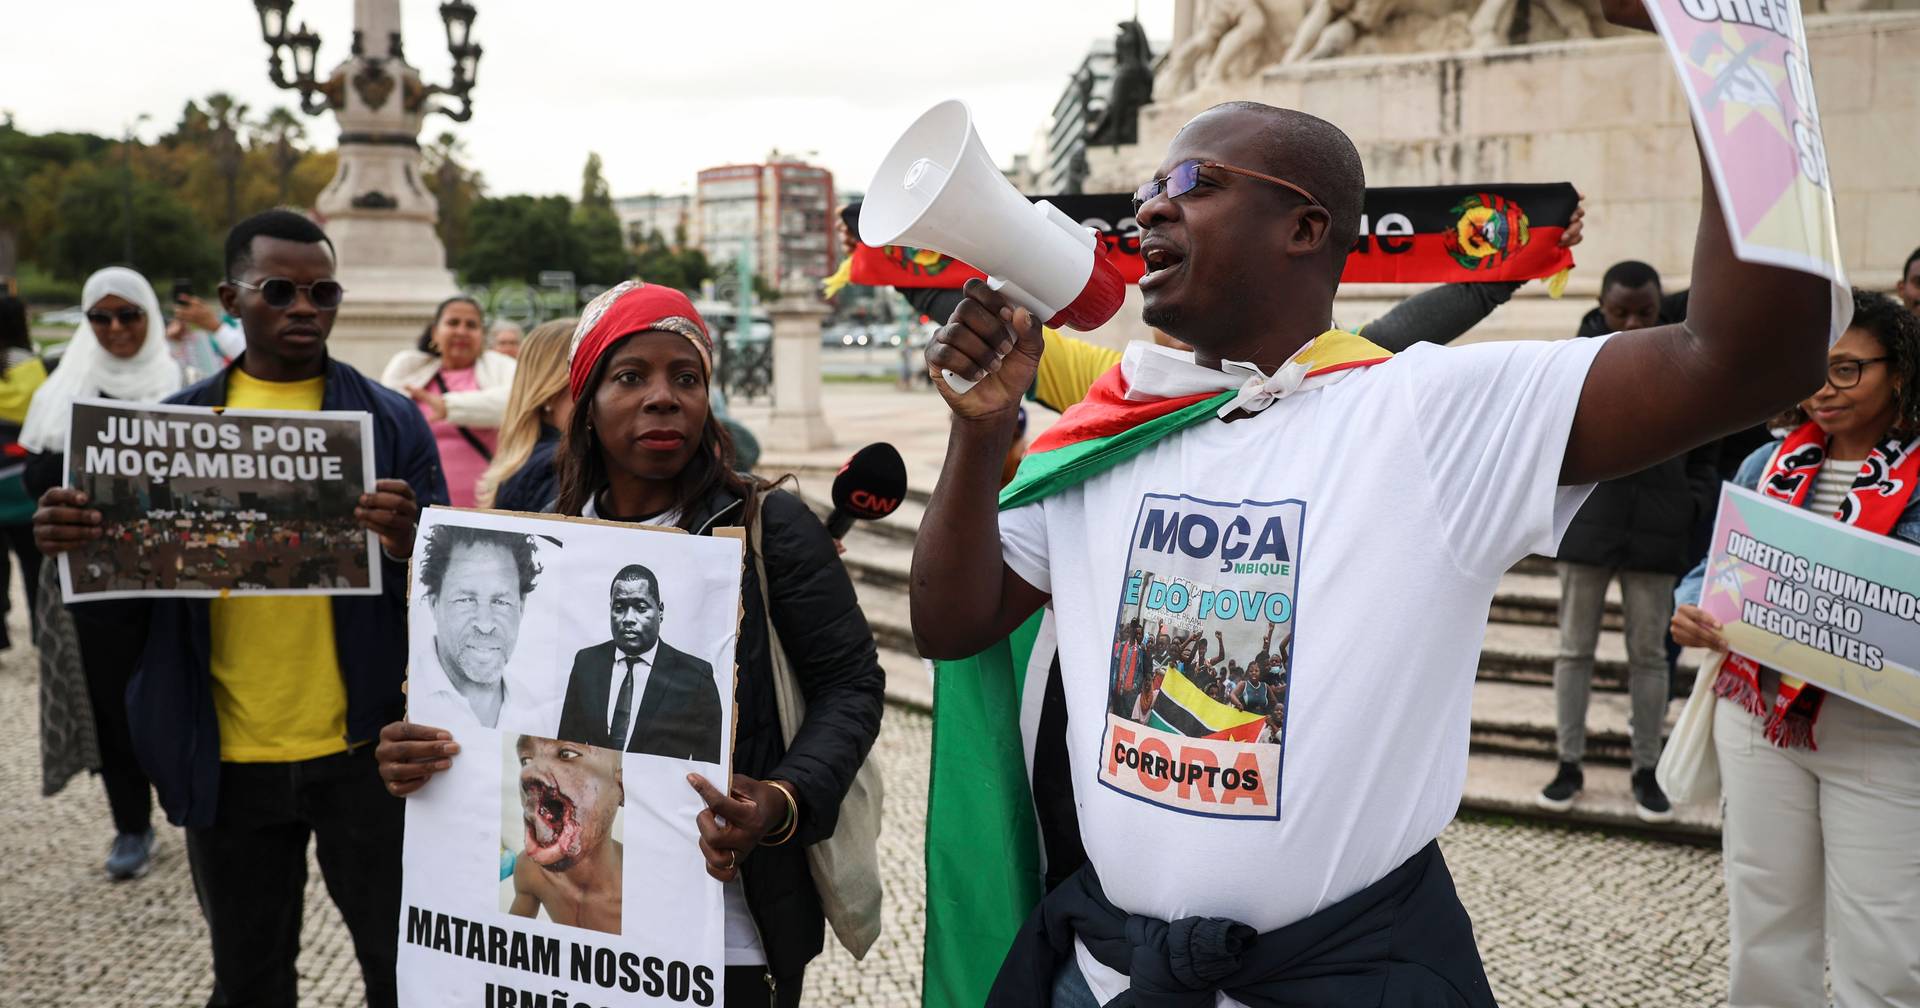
(472, 439)
(786, 689)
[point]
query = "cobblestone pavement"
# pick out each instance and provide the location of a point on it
(1564, 917)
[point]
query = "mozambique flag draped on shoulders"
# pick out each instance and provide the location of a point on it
(1000, 821)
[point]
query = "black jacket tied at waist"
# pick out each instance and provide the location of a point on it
(1402, 942)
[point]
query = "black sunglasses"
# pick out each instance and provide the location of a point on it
(126, 316)
(1185, 175)
(278, 292)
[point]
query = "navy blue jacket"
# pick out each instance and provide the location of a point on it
(170, 700)
(534, 485)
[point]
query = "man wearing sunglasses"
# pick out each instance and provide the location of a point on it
(1386, 495)
(253, 714)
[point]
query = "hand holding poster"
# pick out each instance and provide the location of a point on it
(1818, 600)
(585, 669)
(1743, 64)
(196, 503)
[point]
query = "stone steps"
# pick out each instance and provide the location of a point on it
(1503, 784)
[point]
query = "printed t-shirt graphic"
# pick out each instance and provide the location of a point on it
(1202, 656)
(1419, 482)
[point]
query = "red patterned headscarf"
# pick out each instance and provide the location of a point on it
(628, 308)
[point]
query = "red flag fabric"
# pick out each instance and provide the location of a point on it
(1409, 234)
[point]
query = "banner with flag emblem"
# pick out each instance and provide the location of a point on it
(1408, 234)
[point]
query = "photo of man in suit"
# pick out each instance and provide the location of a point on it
(636, 693)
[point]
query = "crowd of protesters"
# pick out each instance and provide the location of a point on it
(265, 723)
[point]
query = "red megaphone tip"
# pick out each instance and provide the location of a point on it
(1098, 301)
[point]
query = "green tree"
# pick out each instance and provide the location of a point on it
(456, 188)
(280, 134)
(594, 194)
(600, 249)
(515, 237)
(168, 241)
(227, 118)
(672, 264)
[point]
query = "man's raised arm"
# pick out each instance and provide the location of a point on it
(1754, 342)
(964, 597)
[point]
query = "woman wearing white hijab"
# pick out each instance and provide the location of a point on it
(118, 352)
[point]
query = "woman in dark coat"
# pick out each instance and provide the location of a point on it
(644, 447)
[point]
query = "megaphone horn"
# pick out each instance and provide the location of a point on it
(937, 189)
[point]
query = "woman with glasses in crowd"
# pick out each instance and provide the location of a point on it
(117, 352)
(462, 389)
(538, 409)
(1821, 794)
(644, 446)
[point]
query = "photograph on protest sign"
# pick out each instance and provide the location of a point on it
(1203, 656)
(585, 668)
(196, 503)
(1817, 599)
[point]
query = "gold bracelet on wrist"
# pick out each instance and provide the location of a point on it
(792, 824)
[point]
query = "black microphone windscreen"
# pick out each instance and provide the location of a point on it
(872, 483)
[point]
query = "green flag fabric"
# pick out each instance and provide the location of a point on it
(985, 866)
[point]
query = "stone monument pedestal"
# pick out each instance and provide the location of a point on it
(377, 210)
(1607, 115)
(797, 423)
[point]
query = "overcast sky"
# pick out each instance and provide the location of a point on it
(661, 88)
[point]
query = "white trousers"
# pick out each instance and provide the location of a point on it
(1822, 854)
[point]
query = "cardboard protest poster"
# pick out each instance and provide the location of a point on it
(202, 504)
(1819, 600)
(1743, 65)
(1203, 656)
(585, 668)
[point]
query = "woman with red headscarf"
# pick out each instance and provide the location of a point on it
(644, 447)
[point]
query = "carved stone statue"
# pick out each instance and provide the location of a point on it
(1229, 42)
(1132, 88)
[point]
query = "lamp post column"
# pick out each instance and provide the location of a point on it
(378, 210)
(798, 423)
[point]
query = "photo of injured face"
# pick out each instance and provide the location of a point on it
(561, 825)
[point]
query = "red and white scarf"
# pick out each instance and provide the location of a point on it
(1875, 503)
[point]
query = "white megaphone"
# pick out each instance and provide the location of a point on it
(938, 190)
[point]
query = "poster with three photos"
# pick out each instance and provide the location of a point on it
(585, 668)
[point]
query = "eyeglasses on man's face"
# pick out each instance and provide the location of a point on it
(1186, 175)
(278, 292)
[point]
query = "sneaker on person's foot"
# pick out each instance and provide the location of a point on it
(1649, 802)
(1558, 796)
(131, 857)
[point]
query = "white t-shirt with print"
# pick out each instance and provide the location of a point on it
(1359, 530)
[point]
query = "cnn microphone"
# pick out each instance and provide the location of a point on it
(869, 487)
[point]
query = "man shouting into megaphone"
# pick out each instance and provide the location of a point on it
(1283, 476)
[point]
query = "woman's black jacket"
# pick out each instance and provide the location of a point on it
(831, 650)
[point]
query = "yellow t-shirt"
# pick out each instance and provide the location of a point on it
(17, 387)
(1068, 368)
(277, 689)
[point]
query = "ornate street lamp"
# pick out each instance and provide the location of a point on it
(273, 20)
(378, 209)
(317, 96)
(458, 17)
